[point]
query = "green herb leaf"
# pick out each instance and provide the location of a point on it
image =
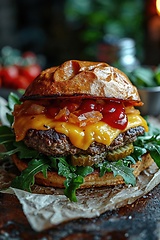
(24, 151)
(119, 168)
(157, 75)
(27, 177)
(64, 168)
(54, 162)
(84, 171)
(74, 177)
(138, 152)
(71, 185)
(7, 138)
(154, 150)
(143, 77)
(103, 167)
(6, 135)
(150, 144)
(12, 100)
(129, 160)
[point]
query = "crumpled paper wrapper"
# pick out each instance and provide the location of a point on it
(47, 209)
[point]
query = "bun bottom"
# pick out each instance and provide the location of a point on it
(91, 180)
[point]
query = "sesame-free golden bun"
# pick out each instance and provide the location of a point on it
(83, 79)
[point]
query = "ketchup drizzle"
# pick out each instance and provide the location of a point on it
(113, 112)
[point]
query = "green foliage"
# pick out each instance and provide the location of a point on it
(12, 100)
(150, 144)
(74, 177)
(145, 77)
(27, 177)
(118, 168)
(99, 18)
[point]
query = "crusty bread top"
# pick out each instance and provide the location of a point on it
(82, 78)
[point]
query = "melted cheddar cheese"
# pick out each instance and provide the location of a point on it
(80, 137)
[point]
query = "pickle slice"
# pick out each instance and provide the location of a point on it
(120, 153)
(87, 160)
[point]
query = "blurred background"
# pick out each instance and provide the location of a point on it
(122, 33)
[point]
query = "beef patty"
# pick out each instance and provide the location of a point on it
(51, 143)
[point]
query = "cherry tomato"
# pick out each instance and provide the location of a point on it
(9, 75)
(31, 71)
(21, 82)
(29, 54)
(0, 76)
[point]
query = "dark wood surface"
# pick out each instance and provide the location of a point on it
(138, 221)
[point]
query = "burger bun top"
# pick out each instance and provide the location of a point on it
(83, 79)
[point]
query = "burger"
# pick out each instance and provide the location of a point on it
(79, 123)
